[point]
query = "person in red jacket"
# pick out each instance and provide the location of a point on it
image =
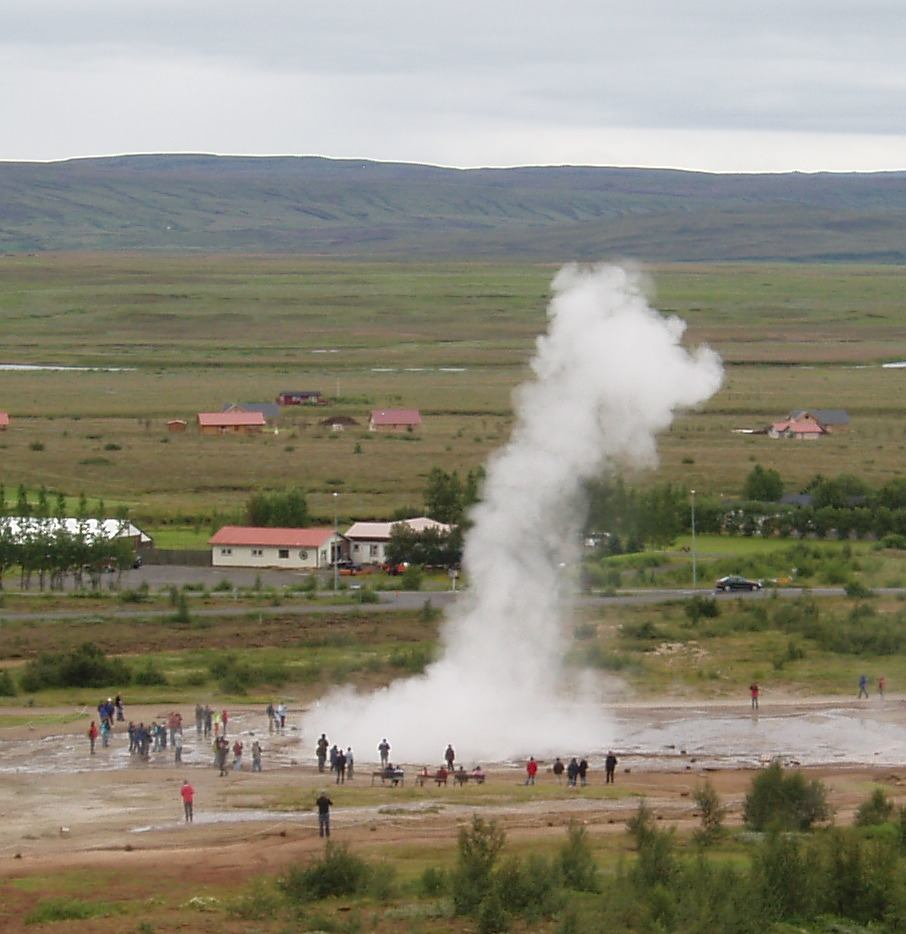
(92, 735)
(531, 770)
(188, 798)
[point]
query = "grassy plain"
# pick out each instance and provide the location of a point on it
(194, 333)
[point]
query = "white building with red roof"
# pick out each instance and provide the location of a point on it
(394, 420)
(242, 546)
(368, 540)
(800, 430)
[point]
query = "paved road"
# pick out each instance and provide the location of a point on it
(388, 600)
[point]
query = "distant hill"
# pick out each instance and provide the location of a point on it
(361, 208)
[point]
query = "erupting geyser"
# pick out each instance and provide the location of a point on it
(608, 376)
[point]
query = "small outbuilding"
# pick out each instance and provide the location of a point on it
(394, 420)
(240, 546)
(4, 421)
(833, 421)
(301, 397)
(177, 425)
(800, 431)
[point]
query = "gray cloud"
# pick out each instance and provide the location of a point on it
(293, 76)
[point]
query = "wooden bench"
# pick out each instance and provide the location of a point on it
(394, 776)
(460, 778)
(439, 777)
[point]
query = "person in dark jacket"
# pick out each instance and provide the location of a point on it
(572, 771)
(449, 756)
(610, 766)
(583, 771)
(323, 803)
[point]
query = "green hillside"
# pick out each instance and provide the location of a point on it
(356, 208)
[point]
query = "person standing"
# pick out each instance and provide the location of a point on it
(583, 771)
(105, 733)
(882, 683)
(531, 770)
(349, 763)
(341, 767)
(199, 719)
(208, 720)
(256, 756)
(572, 771)
(281, 716)
(323, 804)
(188, 800)
(610, 766)
(863, 687)
(237, 756)
(384, 750)
(754, 691)
(271, 717)
(557, 769)
(92, 735)
(177, 748)
(321, 751)
(224, 719)
(449, 756)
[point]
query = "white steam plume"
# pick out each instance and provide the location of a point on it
(608, 376)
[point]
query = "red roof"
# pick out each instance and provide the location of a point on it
(396, 417)
(4, 418)
(281, 538)
(231, 419)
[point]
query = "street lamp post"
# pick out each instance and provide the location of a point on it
(694, 569)
(336, 544)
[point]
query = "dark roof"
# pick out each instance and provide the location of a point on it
(796, 499)
(339, 420)
(270, 410)
(824, 416)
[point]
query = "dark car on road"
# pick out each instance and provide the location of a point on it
(735, 582)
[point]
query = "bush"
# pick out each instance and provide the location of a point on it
(711, 812)
(699, 607)
(149, 673)
(339, 872)
(472, 879)
(433, 882)
(7, 684)
(877, 809)
(84, 667)
(577, 865)
(428, 612)
(785, 802)
(857, 590)
(412, 577)
(366, 595)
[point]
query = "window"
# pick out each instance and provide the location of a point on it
(257, 552)
(283, 553)
(226, 551)
(373, 550)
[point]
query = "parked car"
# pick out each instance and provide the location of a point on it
(348, 568)
(735, 582)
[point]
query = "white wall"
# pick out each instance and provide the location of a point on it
(241, 556)
(364, 551)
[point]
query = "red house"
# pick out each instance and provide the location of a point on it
(394, 420)
(4, 421)
(220, 423)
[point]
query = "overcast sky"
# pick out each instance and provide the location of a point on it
(719, 85)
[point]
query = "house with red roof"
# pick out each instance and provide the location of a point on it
(221, 423)
(800, 430)
(394, 420)
(4, 421)
(241, 546)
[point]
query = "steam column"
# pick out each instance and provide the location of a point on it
(335, 550)
(694, 570)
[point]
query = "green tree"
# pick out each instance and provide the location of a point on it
(763, 485)
(278, 509)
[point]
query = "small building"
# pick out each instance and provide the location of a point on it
(301, 397)
(801, 431)
(220, 423)
(338, 422)
(270, 410)
(394, 420)
(4, 421)
(177, 425)
(240, 546)
(368, 540)
(833, 421)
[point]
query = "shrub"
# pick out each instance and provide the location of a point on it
(699, 607)
(339, 872)
(711, 812)
(428, 612)
(366, 595)
(69, 909)
(577, 865)
(412, 577)
(876, 809)
(786, 802)
(471, 880)
(7, 684)
(182, 614)
(857, 590)
(433, 882)
(149, 673)
(84, 667)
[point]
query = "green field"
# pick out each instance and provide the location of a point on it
(451, 339)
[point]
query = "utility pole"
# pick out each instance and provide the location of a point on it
(336, 543)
